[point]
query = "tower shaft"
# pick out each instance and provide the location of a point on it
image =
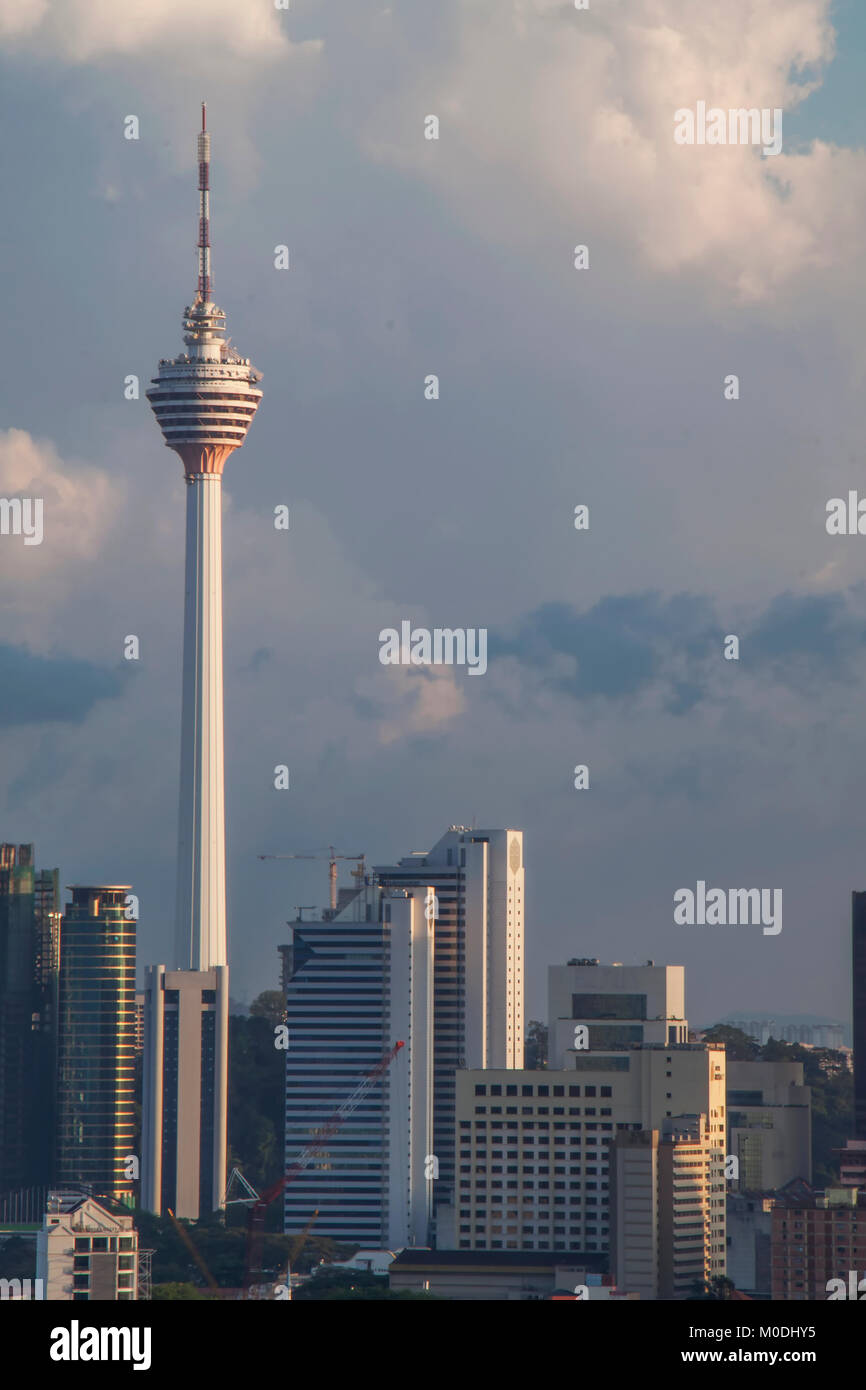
(201, 892)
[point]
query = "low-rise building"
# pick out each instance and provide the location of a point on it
(508, 1276)
(85, 1252)
(817, 1237)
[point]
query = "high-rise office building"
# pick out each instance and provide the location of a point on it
(204, 401)
(477, 877)
(858, 980)
(186, 1017)
(357, 983)
(29, 959)
(97, 1028)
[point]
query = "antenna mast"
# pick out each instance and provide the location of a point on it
(204, 279)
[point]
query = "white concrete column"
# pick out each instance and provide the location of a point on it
(151, 1126)
(221, 1087)
(201, 894)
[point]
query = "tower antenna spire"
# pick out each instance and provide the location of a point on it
(203, 150)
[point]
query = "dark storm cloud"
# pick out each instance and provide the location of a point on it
(819, 634)
(625, 645)
(622, 645)
(51, 689)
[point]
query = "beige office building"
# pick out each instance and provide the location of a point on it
(668, 1208)
(533, 1167)
(769, 1125)
(185, 1093)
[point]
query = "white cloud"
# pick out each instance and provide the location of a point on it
(78, 507)
(577, 110)
(86, 30)
(20, 16)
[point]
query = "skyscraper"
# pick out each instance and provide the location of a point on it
(204, 400)
(477, 877)
(183, 1148)
(858, 976)
(97, 1028)
(356, 983)
(29, 947)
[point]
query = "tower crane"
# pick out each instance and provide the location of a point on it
(332, 857)
(256, 1218)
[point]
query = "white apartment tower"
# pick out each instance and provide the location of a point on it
(477, 883)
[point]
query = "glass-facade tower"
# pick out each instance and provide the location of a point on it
(96, 1087)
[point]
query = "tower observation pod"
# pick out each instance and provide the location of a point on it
(204, 401)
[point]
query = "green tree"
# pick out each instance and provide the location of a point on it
(163, 1293)
(718, 1289)
(738, 1045)
(269, 1005)
(826, 1072)
(257, 1095)
(535, 1046)
(17, 1258)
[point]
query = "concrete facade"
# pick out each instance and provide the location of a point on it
(534, 1147)
(769, 1124)
(85, 1253)
(619, 1005)
(668, 1199)
(185, 1090)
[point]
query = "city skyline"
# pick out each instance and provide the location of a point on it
(692, 775)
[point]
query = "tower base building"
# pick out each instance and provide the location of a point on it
(186, 1019)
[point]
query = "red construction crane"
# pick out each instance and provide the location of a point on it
(332, 858)
(256, 1219)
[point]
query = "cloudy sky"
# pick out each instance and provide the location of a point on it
(558, 387)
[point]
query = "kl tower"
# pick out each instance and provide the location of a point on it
(204, 400)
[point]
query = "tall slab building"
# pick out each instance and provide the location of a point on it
(477, 877)
(97, 1028)
(204, 400)
(858, 979)
(357, 982)
(29, 965)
